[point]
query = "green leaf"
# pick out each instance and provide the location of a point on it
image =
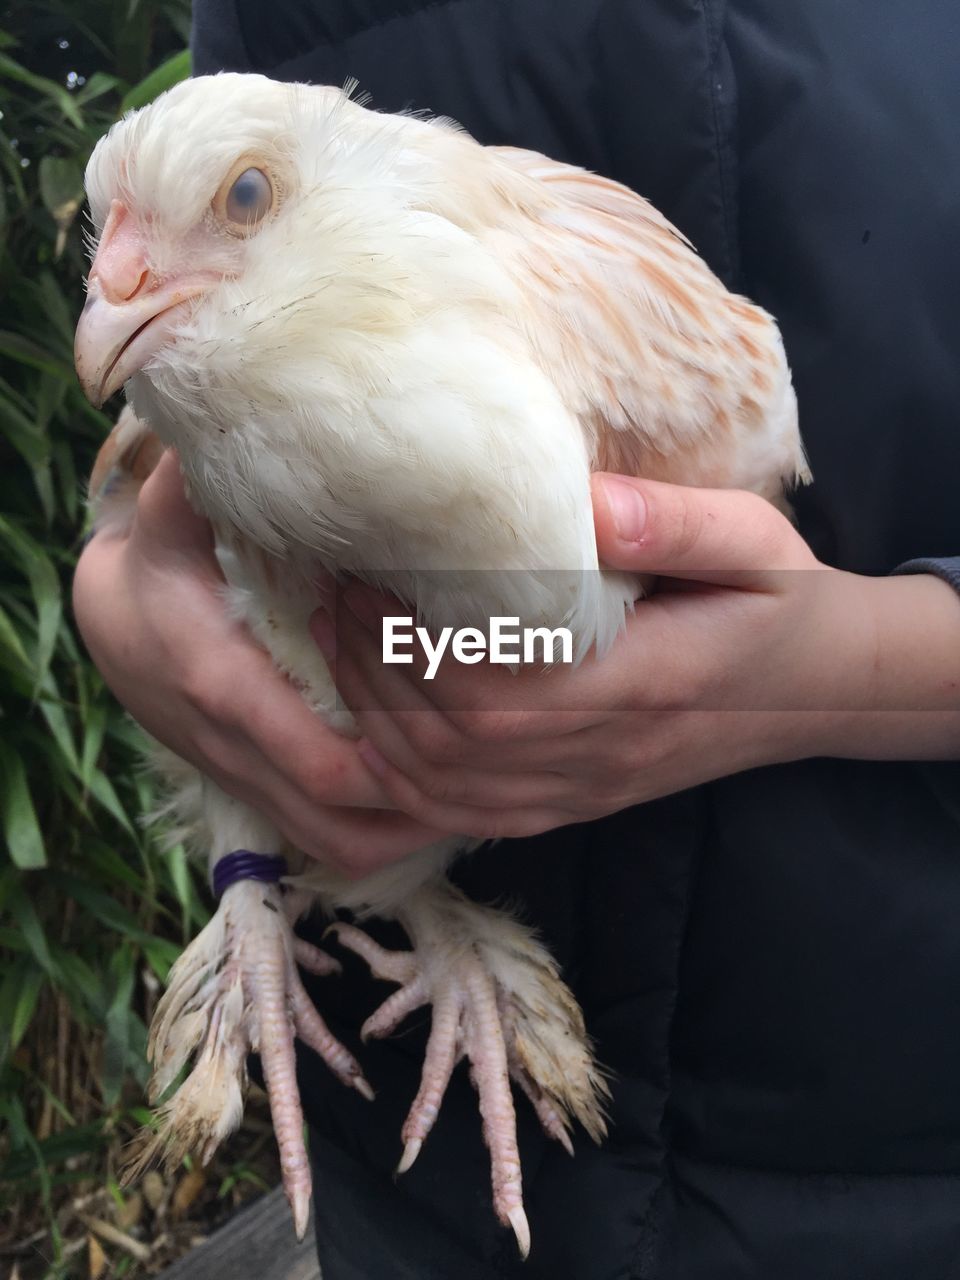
(31, 353)
(61, 187)
(158, 81)
(30, 985)
(11, 70)
(103, 790)
(80, 982)
(44, 587)
(20, 826)
(180, 876)
(52, 710)
(93, 732)
(70, 492)
(9, 995)
(161, 956)
(11, 162)
(10, 640)
(55, 1102)
(27, 1152)
(112, 867)
(102, 907)
(125, 1044)
(98, 84)
(24, 912)
(179, 18)
(60, 313)
(23, 434)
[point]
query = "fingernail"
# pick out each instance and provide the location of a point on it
(628, 508)
(371, 757)
(324, 634)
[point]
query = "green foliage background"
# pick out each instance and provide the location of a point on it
(92, 913)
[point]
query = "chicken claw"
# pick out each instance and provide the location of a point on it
(497, 1000)
(234, 990)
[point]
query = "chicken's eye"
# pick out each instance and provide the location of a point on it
(246, 196)
(249, 199)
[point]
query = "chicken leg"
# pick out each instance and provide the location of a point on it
(497, 1000)
(236, 990)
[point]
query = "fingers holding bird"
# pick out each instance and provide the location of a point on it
(475, 750)
(709, 676)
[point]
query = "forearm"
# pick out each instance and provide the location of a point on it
(900, 696)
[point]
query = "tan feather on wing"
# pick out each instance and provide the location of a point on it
(699, 391)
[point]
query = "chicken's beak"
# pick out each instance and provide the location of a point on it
(129, 313)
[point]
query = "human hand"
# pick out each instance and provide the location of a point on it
(149, 607)
(750, 652)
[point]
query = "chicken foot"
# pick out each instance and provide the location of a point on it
(236, 990)
(497, 1000)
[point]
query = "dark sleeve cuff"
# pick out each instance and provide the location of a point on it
(945, 567)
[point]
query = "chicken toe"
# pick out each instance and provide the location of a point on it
(497, 1001)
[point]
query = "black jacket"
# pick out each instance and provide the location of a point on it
(770, 964)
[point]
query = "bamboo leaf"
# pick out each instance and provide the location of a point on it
(61, 188)
(11, 70)
(31, 353)
(180, 876)
(80, 982)
(24, 912)
(125, 1046)
(11, 162)
(70, 492)
(102, 789)
(59, 313)
(164, 77)
(51, 1152)
(161, 956)
(98, 84)
(45, 588)
(93, 732)
(20, 826)
(10, 640)
(23, 434)
(30, 985)
(56, 717)
(102, 907)
(113, 868)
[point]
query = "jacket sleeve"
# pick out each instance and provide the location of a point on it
(945, 567)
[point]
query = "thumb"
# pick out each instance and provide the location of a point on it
(723, 536)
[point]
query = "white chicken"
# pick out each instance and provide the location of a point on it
(381, 349)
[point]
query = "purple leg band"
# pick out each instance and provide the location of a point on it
(244, 865)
